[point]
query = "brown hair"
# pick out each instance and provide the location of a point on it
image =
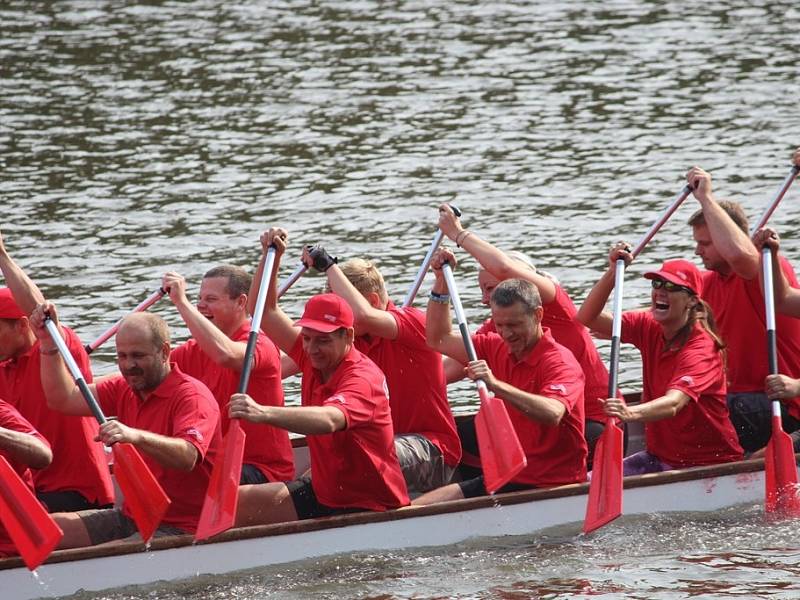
(239, 280)
(701, 314)
(733, 209)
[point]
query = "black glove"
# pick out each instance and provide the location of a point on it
(322, 261)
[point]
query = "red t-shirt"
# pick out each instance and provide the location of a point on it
(701, 433)
(356, 467)
(79, 463)
(738, 307)
(556, 454)
(559, 317)
(415, 376)
(266, 447)
(180, 407)
(11, 419)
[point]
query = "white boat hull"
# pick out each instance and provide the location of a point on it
(521, 513)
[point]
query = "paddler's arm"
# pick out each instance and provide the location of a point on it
(733, 244)
(25, 448)
(169, 452)
(787, 298)
(308, 420)
(591, 312)
(60, 389)
(26, 293)
(665, 407)
(438, 322)
(536, 407)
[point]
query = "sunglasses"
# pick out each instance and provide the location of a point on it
(669, 286)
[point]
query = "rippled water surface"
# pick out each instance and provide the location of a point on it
(141, 137)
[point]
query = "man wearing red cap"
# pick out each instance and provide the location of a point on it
(78, 478)
(24, 448)
(683, 380)
(733, 290)
(220, 327)
(345, 414)
(426, 440)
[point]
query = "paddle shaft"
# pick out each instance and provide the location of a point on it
(779, 196)
(426, 263)
(462, 320)
(290, 281)
(616, 329)
(75, 371)
(769, 306)
(145, 304)
(255, 322)
(684, 193)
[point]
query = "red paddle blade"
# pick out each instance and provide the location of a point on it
(144, 496)
(219, 507)
(605, 490)
(501, 453)
(780, 472)
(33, 531)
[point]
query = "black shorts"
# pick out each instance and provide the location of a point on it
(472, 488)
(67, 501)
(306, 504)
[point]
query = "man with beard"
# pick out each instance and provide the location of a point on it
(171, 418)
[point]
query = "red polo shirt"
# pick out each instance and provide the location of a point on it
(556, 454)
(180, 407)
(11, 419)
(356, 467)
(266, 447)
(79, 463)
(701, 433)
(559, 317)
(415, 376)
(738, 307)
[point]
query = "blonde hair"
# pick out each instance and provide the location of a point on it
(364, 276)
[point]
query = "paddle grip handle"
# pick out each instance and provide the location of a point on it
(426, 263)
(72, 366)
(290, 281)
(778, 197)
(684, 193)
(111, 331)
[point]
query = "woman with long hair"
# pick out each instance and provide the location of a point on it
(683, 369)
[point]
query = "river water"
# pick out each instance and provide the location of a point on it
(137, 138)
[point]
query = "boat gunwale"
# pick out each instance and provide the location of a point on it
(339, 521)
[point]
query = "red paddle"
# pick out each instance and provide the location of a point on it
(111, 331)
(604, 503)
(501, 453)
(144, 496)
(219, 507)
(33, 531)
(780, 468)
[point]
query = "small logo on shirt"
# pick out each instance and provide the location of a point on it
(687, 380)
(337, 398)
(195, 434)
(330, 318)
(558, 387)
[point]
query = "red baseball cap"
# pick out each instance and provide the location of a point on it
(326, 313)
(679, 272)
(9, 309)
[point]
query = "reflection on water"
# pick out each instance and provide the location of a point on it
(141, 137)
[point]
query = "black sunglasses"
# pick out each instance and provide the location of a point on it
(669, 286)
